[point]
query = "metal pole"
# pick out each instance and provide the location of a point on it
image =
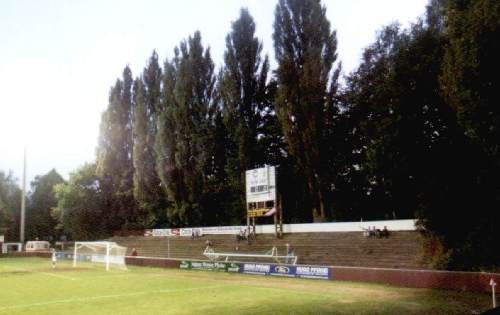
(493, 296)
(276, 233)
(107, 256)
(23, 201)
(74, 255)
(280, 214)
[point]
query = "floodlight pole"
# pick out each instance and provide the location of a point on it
(23, 201)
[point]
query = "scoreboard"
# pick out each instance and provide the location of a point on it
(260, 190)
(261, 184)
(262, 197)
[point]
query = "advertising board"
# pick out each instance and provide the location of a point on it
(222, 229)
(208, 265)
(311, 272)
(161, 232)
(197, 231)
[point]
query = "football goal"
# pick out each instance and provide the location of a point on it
(104, 253)
(272, 254)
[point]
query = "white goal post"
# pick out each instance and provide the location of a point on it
(103, 252)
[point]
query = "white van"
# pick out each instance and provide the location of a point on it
(37, 246)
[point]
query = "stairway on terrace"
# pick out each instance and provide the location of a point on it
(402, 249)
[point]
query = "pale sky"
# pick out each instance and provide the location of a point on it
(58, 59)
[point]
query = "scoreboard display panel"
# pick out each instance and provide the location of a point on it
(261, 184)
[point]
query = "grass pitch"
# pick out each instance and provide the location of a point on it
(31, 286)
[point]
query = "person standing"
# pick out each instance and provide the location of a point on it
(54, 258)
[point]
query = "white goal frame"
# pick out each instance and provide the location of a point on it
(101, 244)
(272, 254)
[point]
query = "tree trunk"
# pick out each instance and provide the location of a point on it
(321, 202)
(318, 207)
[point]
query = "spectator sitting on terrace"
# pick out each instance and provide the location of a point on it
(249, 236)
(366, 232)
(242, 235)
(384, 232)
(370, 231)
(194, 234)
(134, 252)
(208, 243)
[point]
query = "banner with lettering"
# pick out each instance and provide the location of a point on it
(311, 272)
(209, 265)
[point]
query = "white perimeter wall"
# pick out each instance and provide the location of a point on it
(392, 225)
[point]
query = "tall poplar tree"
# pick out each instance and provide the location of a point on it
(184, 128)
(147, 190)
(242, 91)
(305, 49)
(114, 153)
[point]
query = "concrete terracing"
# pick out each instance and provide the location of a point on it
(402, 249)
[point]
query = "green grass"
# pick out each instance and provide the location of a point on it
(30, 286)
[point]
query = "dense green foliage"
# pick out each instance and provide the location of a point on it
(417, 155)
(470, 84)
(40, 221)
(81, 206)
(413, 132)
(10, 202)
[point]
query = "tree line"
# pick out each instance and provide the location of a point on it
(413, 132)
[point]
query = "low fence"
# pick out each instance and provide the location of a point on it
(27, 254)
(152, 262)
(430, 279)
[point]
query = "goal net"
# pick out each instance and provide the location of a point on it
(108, 254)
